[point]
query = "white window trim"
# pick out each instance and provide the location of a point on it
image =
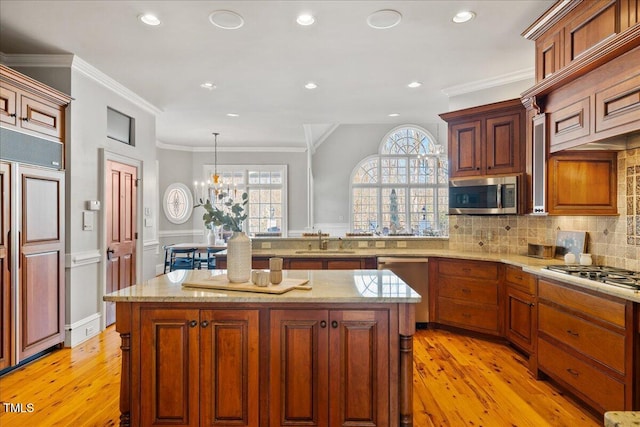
(189, 201)
(208, 170)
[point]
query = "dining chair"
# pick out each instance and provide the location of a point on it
(182, 259)
(211, 258)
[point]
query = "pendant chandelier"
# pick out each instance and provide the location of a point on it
(217, 185)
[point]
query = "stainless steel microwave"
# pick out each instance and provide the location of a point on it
(484, 196)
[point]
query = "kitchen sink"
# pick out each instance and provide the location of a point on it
(324, 251)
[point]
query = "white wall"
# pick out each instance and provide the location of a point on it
(86, 142)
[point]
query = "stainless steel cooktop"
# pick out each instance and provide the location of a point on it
(608, 275)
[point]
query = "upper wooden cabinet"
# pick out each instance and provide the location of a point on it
(29, 106)
(582, 183)
(486, 140)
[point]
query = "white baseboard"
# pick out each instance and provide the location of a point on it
(81, 330)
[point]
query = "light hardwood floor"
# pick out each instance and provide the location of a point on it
(459, 381)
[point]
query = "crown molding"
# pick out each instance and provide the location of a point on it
(516, 76)
(83, 67)
(174, 147)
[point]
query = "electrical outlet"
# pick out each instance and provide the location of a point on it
(90, 330)
(363, 244)
(402, 244)
(380, 244)
(266, 245)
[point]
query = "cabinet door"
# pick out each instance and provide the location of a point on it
(359, 368)
(298, 368)
(8, 99)
(169, 368)
(43, 118)
(41, 262)
(503, 144)
(465, 149)
(583, 183)
(5, 283)
(549, 57)
(521, 318)
(229, 357)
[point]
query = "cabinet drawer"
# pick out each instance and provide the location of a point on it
(521, 280)
(618, 105)
(570, 122)
(606, 392)
(476, 317)
(468, 269)
(609, 311)
(463, 289)
(592, 340)
(8, 98)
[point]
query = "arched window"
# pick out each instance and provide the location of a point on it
(403, 190)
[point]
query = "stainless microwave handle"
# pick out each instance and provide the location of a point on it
(499, 196)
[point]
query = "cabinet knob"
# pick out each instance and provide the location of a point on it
(24, 119)
(477, 169)
(488, 167)
(323, 324)
(193, 323)
(334, 324)
(12, 115)
(466, 291)
(204, 323)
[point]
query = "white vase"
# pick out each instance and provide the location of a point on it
(211, 237)
(239, 257)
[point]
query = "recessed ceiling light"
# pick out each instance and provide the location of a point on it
(463, 16)
(394, 115)
(149, 19)
(208, 85)
(226, 19)
(311, 85)
(305, 19)
(383, 19)
(414, 84)
(233, 115)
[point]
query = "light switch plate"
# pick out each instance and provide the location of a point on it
(87, 221)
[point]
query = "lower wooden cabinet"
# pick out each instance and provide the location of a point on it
(466, 295)
(585, 342)
(309, 263)
(200, 367)
(329, 367)
(521, 312)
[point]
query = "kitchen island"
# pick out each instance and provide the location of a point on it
(339, 353)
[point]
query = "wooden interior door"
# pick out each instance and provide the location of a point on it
(120, 211)
(5, 282)
(41, 261)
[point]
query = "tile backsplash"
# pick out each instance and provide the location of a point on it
(612, 240)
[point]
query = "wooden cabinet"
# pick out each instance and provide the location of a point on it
(486, 140)
(5, 276)
(329, 367)
(200, 367)
(466, 294)
(582, 183)
(520, 309)
(318, 263)
(585, 342)
(28, 106)
(41, 276)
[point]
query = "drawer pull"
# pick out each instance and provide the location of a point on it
(466, 291)
(518, 277)
(573, 334)
(573, 372)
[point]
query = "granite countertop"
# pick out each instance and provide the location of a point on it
(528, 264)
(621, 419)
(327, 286)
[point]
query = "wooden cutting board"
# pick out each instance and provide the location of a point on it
(222, 282)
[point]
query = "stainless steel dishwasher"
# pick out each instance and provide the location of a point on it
(415, 273)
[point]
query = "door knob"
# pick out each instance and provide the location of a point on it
(109, 253)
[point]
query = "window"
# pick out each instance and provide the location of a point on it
(177, 203)
(266, 186)
(403, 190)
(120, 127)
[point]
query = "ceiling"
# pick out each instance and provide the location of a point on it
(261, 68)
